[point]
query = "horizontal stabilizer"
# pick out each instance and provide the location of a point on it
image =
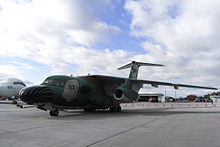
(135, 67)
(138, 64)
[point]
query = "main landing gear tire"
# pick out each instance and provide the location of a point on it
(54, 112)
(115, 109)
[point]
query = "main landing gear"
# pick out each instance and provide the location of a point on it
(54, 112)
(115, 109)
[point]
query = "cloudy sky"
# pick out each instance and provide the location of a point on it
(39, 38)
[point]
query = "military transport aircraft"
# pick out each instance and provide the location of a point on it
(90, 92)
(9, 88)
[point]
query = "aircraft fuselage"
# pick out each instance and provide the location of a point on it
(11, 87)
(66, 91)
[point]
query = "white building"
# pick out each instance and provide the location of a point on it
(215, 98)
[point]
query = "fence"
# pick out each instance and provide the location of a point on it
(170, 105)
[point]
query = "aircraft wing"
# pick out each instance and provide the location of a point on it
(111, 79)
(176, 86)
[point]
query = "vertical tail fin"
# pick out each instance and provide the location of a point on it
(135, 67)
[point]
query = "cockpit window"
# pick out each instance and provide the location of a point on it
(54, 82)
(48, 82)
(21, 83)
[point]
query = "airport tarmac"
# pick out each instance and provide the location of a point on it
(145, 127)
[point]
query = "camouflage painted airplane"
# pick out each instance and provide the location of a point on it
(90, 92)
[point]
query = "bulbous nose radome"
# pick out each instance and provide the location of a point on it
(36, 94)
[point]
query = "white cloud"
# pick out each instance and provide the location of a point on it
(95, 62)
(16, 70)
(9, 70)
(183, 35)
(41, 30)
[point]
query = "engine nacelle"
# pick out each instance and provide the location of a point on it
(125, 95)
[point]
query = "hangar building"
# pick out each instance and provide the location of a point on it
(151, 97)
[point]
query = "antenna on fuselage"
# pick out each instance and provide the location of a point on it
(135, 67)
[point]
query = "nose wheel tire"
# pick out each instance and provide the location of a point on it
(54, 112)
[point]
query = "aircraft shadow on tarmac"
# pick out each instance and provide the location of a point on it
(80, 115)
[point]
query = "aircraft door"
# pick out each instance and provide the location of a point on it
(70, 90)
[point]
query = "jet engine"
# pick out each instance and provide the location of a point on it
(124, 93)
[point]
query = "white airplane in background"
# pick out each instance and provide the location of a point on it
(9, 88)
